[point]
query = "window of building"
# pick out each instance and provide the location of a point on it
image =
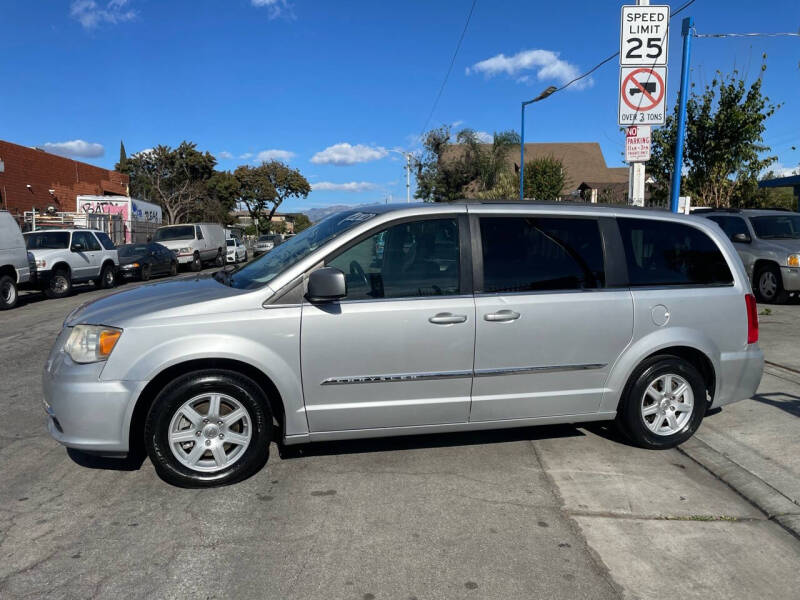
(667, 253)
(531, 254)
(419, 258)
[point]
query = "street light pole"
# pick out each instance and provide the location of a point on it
(408, 172)
(541, 96)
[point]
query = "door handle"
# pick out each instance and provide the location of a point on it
(447, 318)
(501, 316)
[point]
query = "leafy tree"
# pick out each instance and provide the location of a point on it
(222, 192)
(446, 173)
(263, 189)
(277, 227)
(724, 142)
(544, 178)
(301, 222)
(174, 178)
(122, 165)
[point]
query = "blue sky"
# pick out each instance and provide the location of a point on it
(331, 86)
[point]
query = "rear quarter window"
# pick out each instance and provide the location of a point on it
(663, 253)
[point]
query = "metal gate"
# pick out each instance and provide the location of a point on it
(113, 225)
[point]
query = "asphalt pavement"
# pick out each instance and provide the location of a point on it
(555, 512)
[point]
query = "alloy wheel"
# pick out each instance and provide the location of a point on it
(768, 284)
(667, 404)
(210, 432)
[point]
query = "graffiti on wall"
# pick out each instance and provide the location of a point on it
(104, 207)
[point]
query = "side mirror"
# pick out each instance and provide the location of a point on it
(325, 285)
(77, 247)
(741, 238)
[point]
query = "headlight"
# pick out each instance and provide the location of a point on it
(41, 263)
(131, 266)
(91, 343)
(793, 260)
(185, 251)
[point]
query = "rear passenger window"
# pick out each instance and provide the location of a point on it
(666, 253)
(528, 254)
(105, 240)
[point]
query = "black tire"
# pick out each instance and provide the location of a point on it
(8, 292)
(239, 387)
(220, 260)
(146, 272)
(196, 263)
(768, 285)
(59, 284)
(108, 277)
(173, 268)
(629, 415)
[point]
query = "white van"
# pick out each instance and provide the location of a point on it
(14, 267)
(194, 243)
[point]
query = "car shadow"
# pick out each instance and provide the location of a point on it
(431, 440)
(132, 462)
(789, 404)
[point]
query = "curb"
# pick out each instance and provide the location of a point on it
(766, 498)
(782, 372)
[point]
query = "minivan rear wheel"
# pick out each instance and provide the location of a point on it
(663, 403)
(208, 428)
(8, 292)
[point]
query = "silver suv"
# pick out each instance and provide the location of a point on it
(768, 242)
(410, 319)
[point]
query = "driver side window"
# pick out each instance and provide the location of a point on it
(414, 259)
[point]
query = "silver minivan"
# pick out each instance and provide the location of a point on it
(412, 319)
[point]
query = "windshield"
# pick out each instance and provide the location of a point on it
(777, 227)
(231, 243)
(132, 250)
(263, 270)
(179, 232)
(47, 240)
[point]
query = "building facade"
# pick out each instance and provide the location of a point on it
(34, 179)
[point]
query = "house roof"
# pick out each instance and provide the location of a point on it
(583, 161)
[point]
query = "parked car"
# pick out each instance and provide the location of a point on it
(237, 251)
(265, 243)
(142, 261)
(768, 242)
(14, 263)
(67, 256)
(194, 244)
(475, 316)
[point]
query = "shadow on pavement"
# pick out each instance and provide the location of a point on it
(790, 402)
(435, 440)
(133, 462)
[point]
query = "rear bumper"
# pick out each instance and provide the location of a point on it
(739, 376)
(791, 278)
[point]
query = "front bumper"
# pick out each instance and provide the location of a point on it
(185, 259)
(134, 273)
(84, 412)
(739, 375)
(791, 278)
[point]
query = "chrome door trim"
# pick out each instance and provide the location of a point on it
(400, 377)
(544, 369)
(396, 377)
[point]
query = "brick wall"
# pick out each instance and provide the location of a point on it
(43, 172)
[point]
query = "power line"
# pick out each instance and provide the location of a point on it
(742, 35)
(616, 54)
(450, 68)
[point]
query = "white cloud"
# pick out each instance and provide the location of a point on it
(225, 155)
(781, 170)
(546, 64)
(483, 136)
(345, 154)
(246, 155)
(76, 148)
(90, 14)
(352, 186)
(267, 155)
(275, 8)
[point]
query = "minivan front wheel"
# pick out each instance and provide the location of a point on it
(663, 403)
(208, 428)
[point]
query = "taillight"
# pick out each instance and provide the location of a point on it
(752, 318)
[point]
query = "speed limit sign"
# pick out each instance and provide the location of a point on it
(644, 36)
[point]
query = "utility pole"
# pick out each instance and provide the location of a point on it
(675, 190)
(541, 96)
(636, 174)
(408, 171)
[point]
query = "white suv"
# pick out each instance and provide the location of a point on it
(67, 256)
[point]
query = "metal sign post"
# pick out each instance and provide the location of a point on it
(644, 39)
